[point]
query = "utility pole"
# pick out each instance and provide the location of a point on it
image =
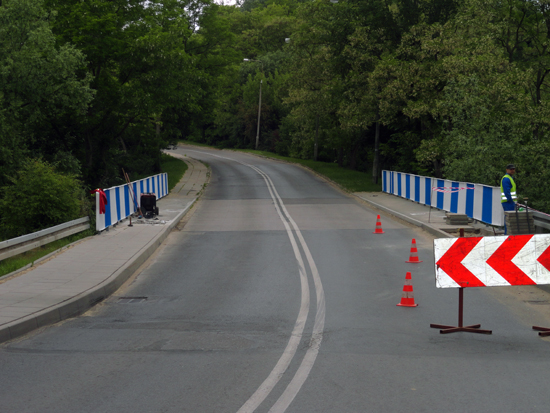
(259, 104)
(259, 113)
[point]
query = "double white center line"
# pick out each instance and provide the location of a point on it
(295, 237)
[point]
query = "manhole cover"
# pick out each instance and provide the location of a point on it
(131, 300)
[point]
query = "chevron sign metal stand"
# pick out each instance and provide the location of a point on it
(475, 328)
(491, 261)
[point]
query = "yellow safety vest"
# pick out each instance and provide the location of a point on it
(512, 191)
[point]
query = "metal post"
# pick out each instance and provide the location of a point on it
(460, 306)
(527, 213)
(517, 219)
(260, 102)
(430, 212)
(259, 112)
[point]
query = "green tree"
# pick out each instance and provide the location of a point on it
(142, 57)
(39, 80)
(49, 198)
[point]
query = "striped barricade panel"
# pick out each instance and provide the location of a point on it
(121, 202)
(492, 261)
(480, 202)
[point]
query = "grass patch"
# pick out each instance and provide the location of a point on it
(19, 261)
(353, 181)
(174, 167)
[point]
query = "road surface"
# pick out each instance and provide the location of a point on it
(274, 295)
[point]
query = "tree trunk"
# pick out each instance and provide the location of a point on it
(376, 160)
(158, 143)
(438, 169)
(316, 144)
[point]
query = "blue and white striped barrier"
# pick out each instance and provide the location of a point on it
(119, 199)
(480, 202)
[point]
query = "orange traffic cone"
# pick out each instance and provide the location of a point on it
(407, 300)
(414, 253)
(378, 229)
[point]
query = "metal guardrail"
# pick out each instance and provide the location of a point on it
(28, 242)
(542, 222)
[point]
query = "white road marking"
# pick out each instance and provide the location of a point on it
(317, 334)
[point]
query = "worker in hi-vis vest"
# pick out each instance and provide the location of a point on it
(508, 196)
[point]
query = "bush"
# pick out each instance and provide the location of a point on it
(39, 198)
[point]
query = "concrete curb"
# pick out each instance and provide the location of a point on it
(82, 302)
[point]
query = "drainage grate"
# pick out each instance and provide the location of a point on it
(131, 300)
(538, 302)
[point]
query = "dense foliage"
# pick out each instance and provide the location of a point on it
(448, 88)
(50, 198)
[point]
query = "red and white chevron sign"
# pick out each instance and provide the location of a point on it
(492, 261)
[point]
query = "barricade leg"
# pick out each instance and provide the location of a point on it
(475, 328)
(544, 332)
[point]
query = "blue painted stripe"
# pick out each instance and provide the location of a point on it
(384, 182)
(126, 200)
(136, 201)
(487, 206)
(153, 185)
(159, 186)
(148, 182)
(470, 200)
(440, 195)
(141, 191)
(454, 198)
(108, 209)
(117, 195)
(399, 183)
(417, 188)
(408, 186)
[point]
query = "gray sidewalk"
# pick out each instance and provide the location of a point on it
(73, 280)
(431, 220)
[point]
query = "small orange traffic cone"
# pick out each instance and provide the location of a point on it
(407, 300)
(414, 253)
(378, 229)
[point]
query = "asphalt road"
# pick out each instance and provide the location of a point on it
(275, 295)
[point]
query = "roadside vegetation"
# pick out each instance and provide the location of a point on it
(444, 88)
(175, 168)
